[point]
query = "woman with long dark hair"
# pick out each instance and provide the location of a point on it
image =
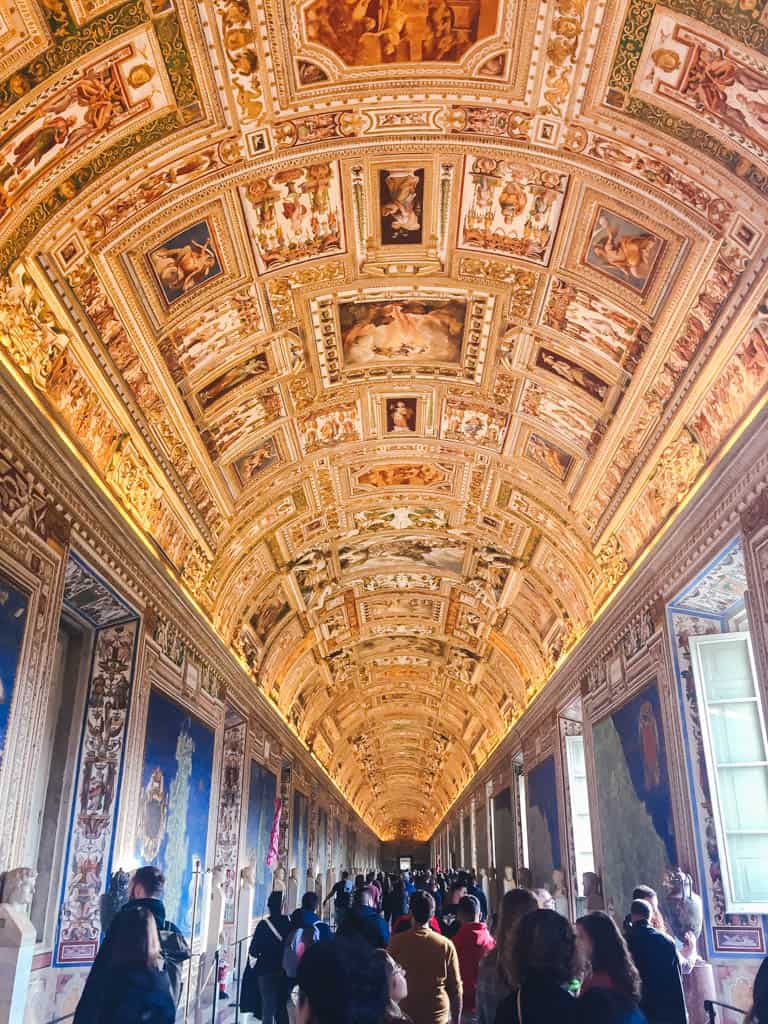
(499, 975)
(139, 989)
(610, 993)
(546, 950)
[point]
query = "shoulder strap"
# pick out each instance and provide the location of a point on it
(274, 930)
(520, 1006)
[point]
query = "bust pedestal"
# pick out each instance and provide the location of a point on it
(17, 946)
(698, 986)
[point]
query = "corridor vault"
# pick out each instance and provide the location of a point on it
(398, 331)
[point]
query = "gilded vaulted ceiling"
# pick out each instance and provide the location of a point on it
(399, 328)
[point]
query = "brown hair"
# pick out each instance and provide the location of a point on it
(514, 906)
(135, 940)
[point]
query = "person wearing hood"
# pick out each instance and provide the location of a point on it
(365, 922)
(145, 892)
(472, 942)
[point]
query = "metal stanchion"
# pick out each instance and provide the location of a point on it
(239, 980)
(215, 983)
(196, 876)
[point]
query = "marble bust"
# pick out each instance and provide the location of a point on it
(19, 888)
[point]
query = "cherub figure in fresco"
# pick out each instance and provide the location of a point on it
(182, 268)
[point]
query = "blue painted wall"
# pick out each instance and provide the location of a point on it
(175, 802)
(261, 809)
(13, 617)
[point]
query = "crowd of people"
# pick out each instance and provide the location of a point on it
(419, 949)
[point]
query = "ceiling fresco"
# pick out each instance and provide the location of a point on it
(399, 330)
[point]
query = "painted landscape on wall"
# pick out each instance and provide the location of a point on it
(174, 803)
(299, 838)
(633, 799)
(13, 615)
(543, 824)
(261, 808)
(503, 831)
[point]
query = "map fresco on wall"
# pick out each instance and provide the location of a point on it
(174, 804)
(543, 824)
(366, 34)
(13, 616)
(261, 808)
(634, 799)
(299, 839)
(321, 854)
(503, 831)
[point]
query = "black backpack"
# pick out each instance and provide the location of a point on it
(176, 952)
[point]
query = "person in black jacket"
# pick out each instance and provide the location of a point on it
(657, 961)
(263, 979)
(139, 991)
(144, 892)
(547, 961)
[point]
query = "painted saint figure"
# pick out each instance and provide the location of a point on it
(649, 745)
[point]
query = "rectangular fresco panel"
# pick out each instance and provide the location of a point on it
(294, 215)
(376, 33)
(263, 458)
(590, 320)
(185, 261)
(299, 839)
(481, 830)
(568, 370)
(97, 789)
(401, 203)
(401, 415)
(251, 369)
(623, 250)
(13, 617)
(174, 803)
(510, 210)
(503, 831)
(543, 822)
(402, 552)
(549, 456)
(413, 330)
(261, 808)
(708, 78)
(321, 855)
(634, 799)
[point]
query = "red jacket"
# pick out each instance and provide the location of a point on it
(472, 942)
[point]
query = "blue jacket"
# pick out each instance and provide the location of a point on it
(366, 923)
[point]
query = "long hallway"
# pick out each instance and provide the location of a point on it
(383, 462)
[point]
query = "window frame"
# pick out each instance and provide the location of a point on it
(732, 904)
(569, 743)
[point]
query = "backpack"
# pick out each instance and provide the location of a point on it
(296, 945)
(175, 952)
